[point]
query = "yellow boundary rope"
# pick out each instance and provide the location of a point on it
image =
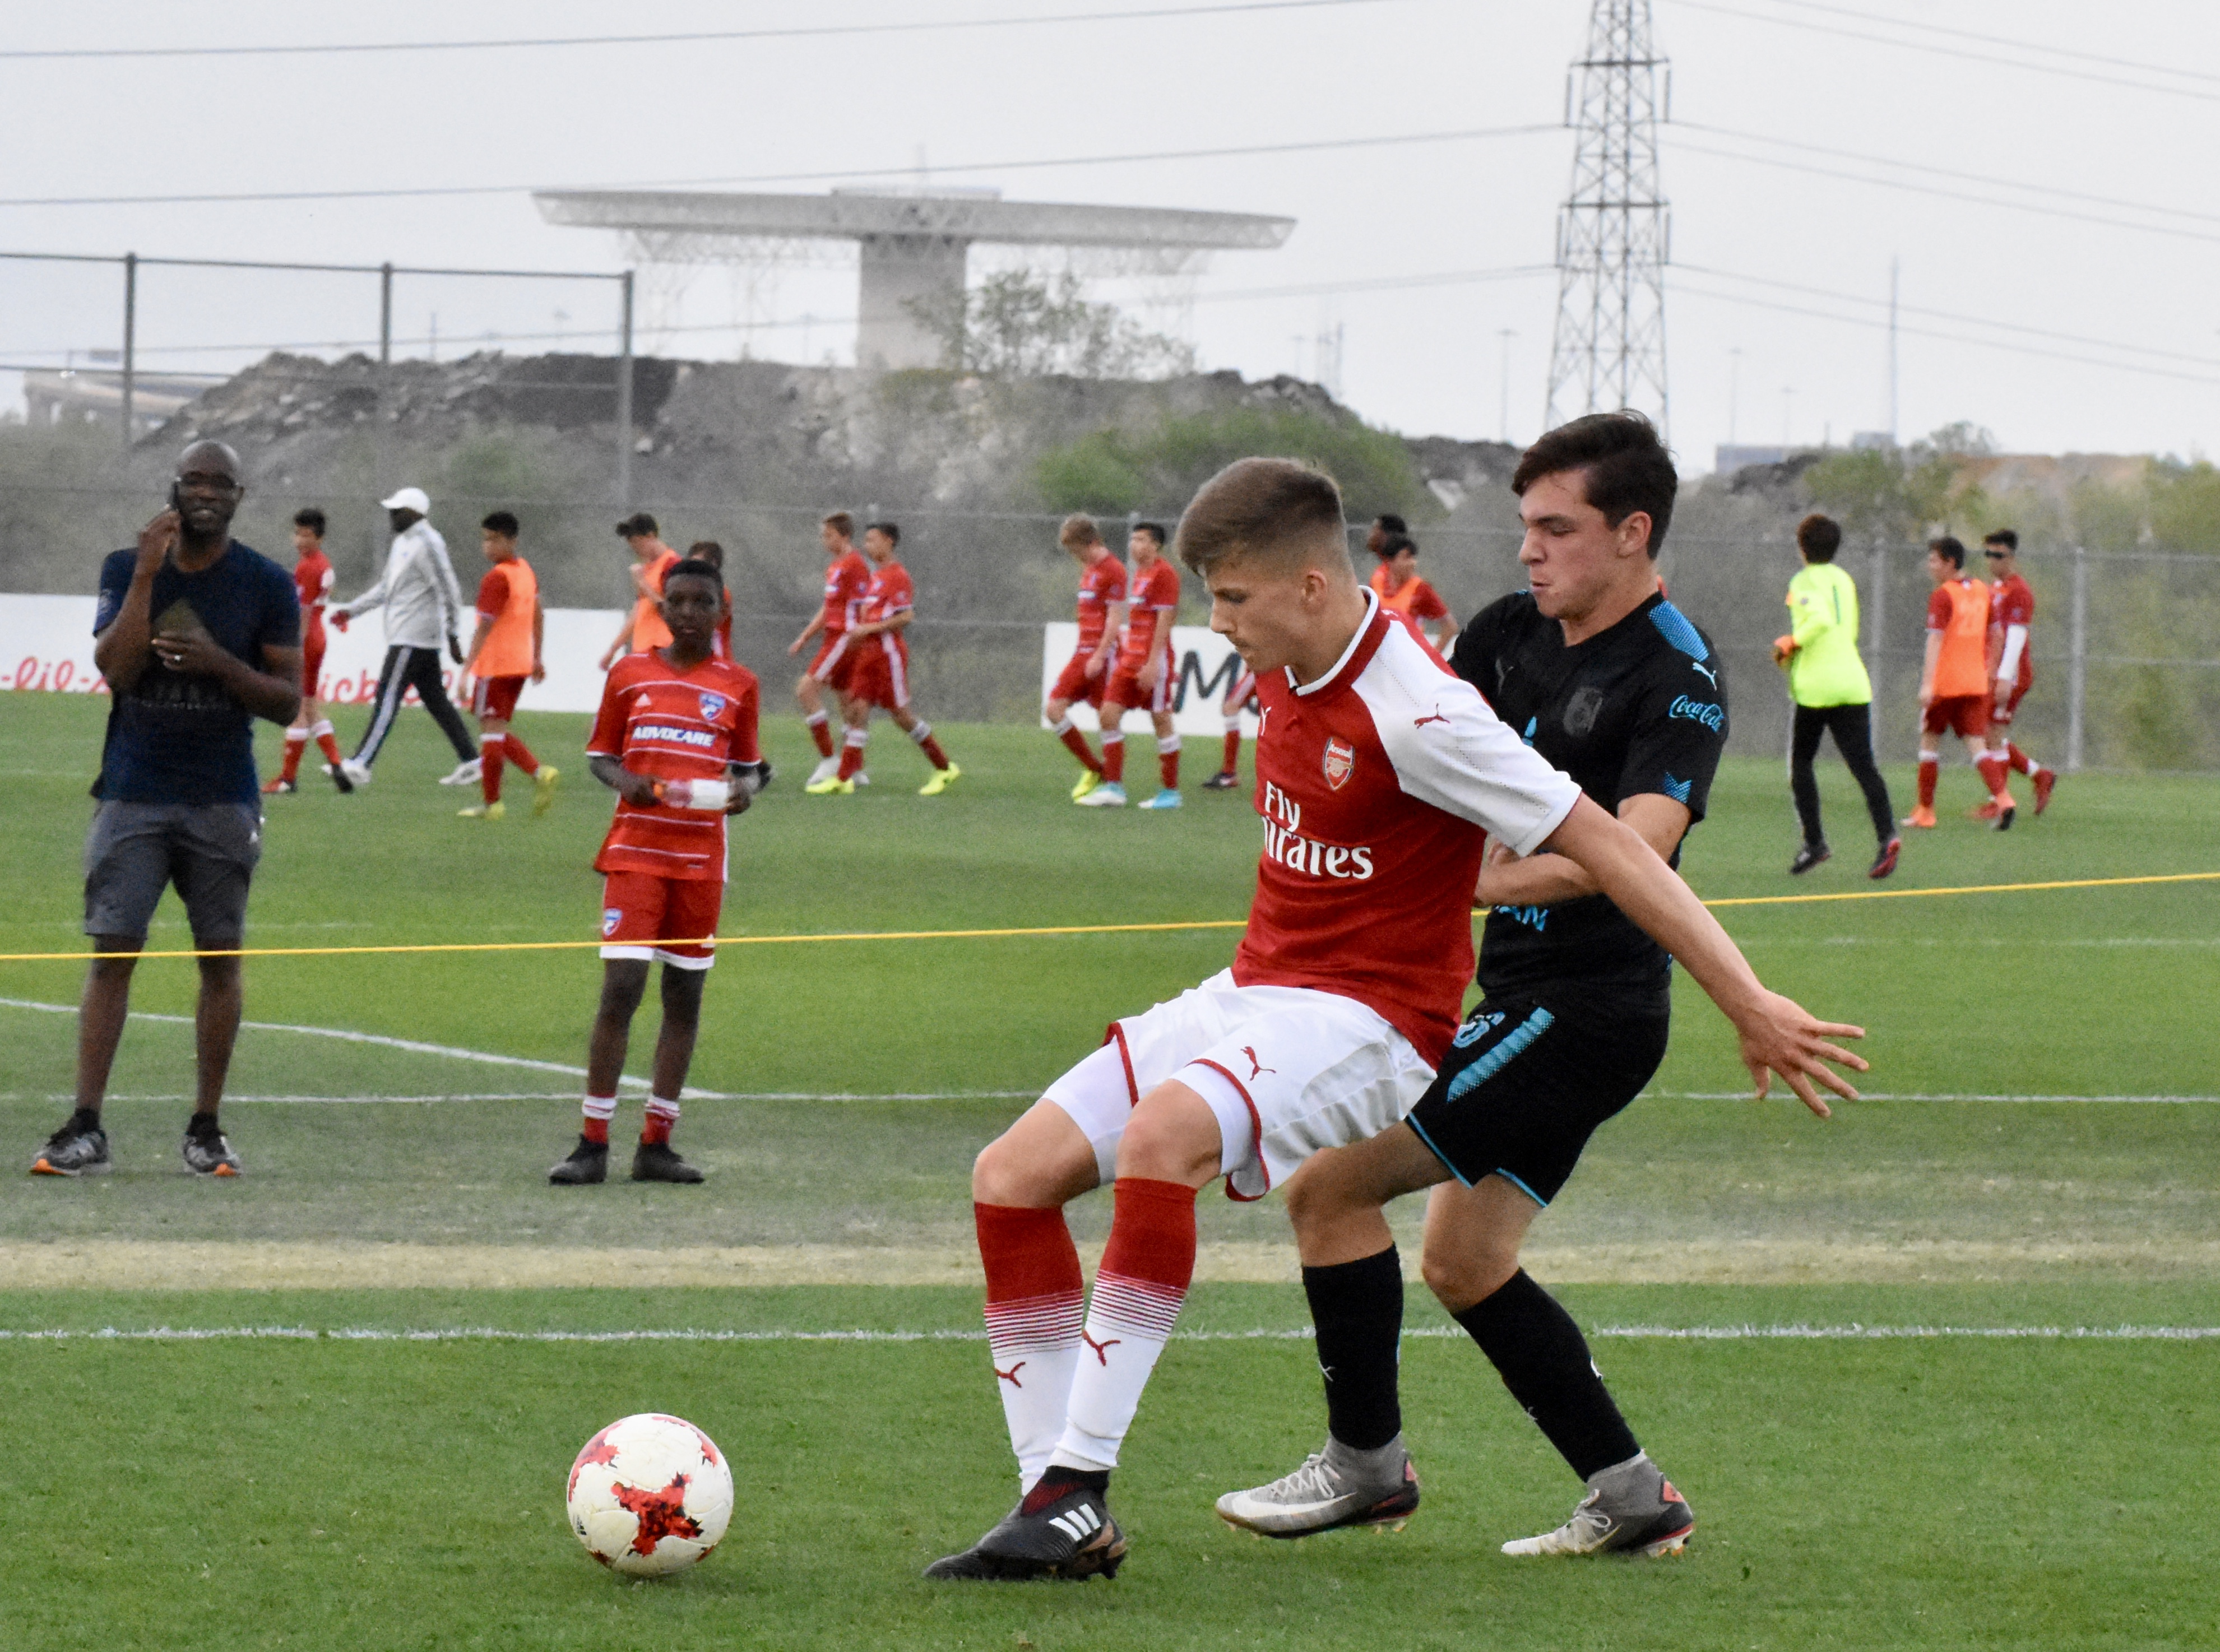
(1004, 934)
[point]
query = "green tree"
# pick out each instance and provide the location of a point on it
(1900, 492)
(1016, 324)
(2185, 505)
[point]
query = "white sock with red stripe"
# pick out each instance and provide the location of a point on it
(662, 1117)
(599, 1110)
(1035, 1295)
(820, 730)
(1138, 1290)
(851, 752)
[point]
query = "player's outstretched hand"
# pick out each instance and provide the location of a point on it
(1778, 1035)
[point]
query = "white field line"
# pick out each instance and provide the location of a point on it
(544, 1095)
(1921, 1095)
(1634, 1333)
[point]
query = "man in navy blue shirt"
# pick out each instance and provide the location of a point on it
(197, 637)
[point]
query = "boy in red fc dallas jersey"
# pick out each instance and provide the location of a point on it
(1380, 777)
(676, 740)
(312, 579)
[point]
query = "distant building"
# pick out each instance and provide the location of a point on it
(64, 396)
(1731, 458)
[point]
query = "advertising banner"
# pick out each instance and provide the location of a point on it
(1205, 667)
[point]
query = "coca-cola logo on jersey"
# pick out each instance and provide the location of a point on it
(1285, 844)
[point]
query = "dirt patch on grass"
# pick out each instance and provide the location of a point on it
(129, 1264)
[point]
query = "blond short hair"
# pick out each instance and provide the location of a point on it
(1276, 509)
(1079, 529)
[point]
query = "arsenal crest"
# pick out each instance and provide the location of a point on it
(1339, 763)
(711, 705)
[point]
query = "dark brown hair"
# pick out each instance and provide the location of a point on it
(1079, 528)
(1819, 537)
(1950, 550)
(1273, 507)
(1624, 467)
(841, 523)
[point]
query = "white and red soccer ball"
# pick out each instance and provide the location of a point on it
(650, 1495)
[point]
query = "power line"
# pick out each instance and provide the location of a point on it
(1306, 147)
(1958, 54)
(2000, 39)
(695, 37)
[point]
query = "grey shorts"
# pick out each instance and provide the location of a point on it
(135, 851)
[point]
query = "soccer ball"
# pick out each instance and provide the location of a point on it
(650, 1495)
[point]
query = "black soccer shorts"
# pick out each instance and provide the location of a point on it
(1529, 1080)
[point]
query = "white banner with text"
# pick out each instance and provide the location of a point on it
(1205, 667)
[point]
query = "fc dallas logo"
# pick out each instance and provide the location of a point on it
(1339, 763)
(611, 917)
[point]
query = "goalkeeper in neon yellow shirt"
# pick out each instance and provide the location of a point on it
(1828, 681)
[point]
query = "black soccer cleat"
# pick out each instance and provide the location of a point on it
(339, 778)
(1224, 781)
(1884, 861)
(1069, 1537)
(1811, 855)
(588, 1166)
(2003, 821)
(655, 1161)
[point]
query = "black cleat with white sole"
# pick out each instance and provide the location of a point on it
(1061, 1531)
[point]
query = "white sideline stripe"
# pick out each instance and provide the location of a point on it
(413, 1046)
(540, 1095)
(1625, 1333)
(1914, 1096)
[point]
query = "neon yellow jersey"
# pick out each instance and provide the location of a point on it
(1823, 613)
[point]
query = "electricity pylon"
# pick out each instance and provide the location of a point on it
(1614, 230)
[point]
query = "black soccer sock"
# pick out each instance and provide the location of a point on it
(1544, 1361)
(1357, 1308)
(203, 1124)
(85, 1118)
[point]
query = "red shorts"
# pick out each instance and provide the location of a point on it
(2001, 718)
(495, 697)
(1962, 714)
(1075, 686)
(881, 677)
(644, 916)
(834, 664)
(312, 660)
(1124, 687)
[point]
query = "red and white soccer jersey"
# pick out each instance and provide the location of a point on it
(312, 579)
(881, 673)
(1099, 585)
(672, 725)
(1154, 594)
(847, 579)
(2011, 616)
(1379, 784)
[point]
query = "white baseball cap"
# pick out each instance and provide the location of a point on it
(409, 499)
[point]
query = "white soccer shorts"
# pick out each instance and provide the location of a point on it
(1288, 1071)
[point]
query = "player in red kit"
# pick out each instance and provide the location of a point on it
(1397, 583)
(1142, 674)
(312, 579)
(1381, 777)
(1239, 698)
(847, 575)
(880, 676)
(676, 740)
(504, 655)
(2011, 616)
(1102, 587)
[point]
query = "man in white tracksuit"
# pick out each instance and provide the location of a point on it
(422, 605)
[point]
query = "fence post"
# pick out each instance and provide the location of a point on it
(2077, 677)
(1877, 632)
(130, 340)
(624, 400)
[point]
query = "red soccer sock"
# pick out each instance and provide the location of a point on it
(852, 754)
(1993, 771)
(655, 1129)
(1075, 740)
(1232, 751)
(1035, 1295)
(1114, 758)
(519, 753)
(2021, 762)
(296, 742)
(1928, 769)
(923, 735)
(820, 730)
(1167, 763)
(598, 1111)
(326, 744)
(490, 767)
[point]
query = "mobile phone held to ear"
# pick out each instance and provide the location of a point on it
(176, 497)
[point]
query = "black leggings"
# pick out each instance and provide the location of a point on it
(1852, 727)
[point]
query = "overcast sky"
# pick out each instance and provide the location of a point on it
(2074, 304)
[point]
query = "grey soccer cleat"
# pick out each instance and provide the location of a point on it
(1660, 1528)
(73, 1150)
(206, 1153)
(1337, 1486)
(1070, 1537)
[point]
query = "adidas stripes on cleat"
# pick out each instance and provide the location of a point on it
(1334, 1487)
(1594, 1530)
(1069, 1537)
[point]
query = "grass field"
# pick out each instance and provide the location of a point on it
(401, 1491)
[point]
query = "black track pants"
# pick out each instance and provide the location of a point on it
(1852, 727)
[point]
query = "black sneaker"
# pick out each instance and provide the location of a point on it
(655, 1161)
(2003, 821)
(589, 1164)
(1224, 781)
(338, 774)
(1884, 861)
(1069, 1537)
(1808, 856)
(206, 1152)
(75, 1149)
